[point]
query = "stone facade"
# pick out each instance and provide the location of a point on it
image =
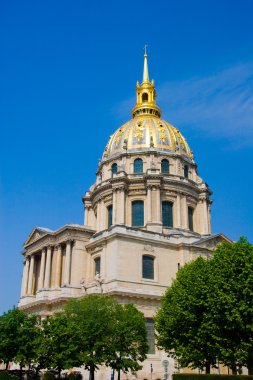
(107, 254)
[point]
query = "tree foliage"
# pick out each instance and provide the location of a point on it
(19, 337)
(91, 331)
(181, 321)
(59, 348)
(207, 313)
(129, 344)
(231, 303)
(94, 319)
(109, 333)
(9, 325)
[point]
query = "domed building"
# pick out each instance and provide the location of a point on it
(147, 214)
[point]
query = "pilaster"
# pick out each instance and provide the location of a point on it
(47, 282)
(42, 269)
(31, 275)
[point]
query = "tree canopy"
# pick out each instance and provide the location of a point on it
(59, 348)
(181, 321)
(19, 337)
(129, 345)
(91, 331)
(207, 314)
(108, 333)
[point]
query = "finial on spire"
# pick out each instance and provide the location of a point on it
(145, 68)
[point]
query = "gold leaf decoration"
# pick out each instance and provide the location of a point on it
(162, 134)
(139, 131)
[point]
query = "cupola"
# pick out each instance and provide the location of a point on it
(146, 95)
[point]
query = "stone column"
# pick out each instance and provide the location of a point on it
(42, 268)
(184, 213)
(121, 215)
(103, 216)
(31, 274)
(114, 207)
(87, 210)
(48, 268)
(67, 263)
(25, 277)
(149, 204)
(209, 219)
(86, 215)
(58, 266)
(98, 215)
(178, 223)
(158, 205)
(205, 217)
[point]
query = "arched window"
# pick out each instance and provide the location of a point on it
(148, 267)
(145, 97)
(190, 218)
(167, 214)
(109, 210)
(138, 165)
(97, 265)
(114, 168)
(137, 213)
(186, 171)
(165, 166)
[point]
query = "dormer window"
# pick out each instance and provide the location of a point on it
(145, 97)
(114, 168)
(165, 166)
(186, 171)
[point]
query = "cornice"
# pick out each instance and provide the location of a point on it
(148, 237)
(59, 236)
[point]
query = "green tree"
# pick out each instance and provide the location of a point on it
(10, 323)
(59, 348)
(231, 303)
(129, 344)
(27, 339)
(109, 333)
(184, 329)
(94, 318)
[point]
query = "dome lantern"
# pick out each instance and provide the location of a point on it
(146, 95)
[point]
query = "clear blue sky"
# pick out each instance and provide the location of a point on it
(68, 71)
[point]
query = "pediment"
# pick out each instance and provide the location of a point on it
(36, 234)
(211, 242)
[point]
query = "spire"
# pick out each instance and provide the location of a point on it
(146, 94)
(145, 68)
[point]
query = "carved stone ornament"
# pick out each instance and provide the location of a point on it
(148, 248)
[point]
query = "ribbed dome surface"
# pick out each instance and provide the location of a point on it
(146, 133)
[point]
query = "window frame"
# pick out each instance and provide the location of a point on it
(97, 260)
(170, 217)
(151, 260)
(144, 97)
(114, 165)
(109, 216)
(186, 171)
(138, 169)
(163, 161)
(190, 218)
(134, 216)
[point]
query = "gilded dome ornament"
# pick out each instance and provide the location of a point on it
(146, 130)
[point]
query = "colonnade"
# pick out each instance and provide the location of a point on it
(153, 210)
(39, 272)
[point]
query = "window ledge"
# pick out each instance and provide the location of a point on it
(149, 280)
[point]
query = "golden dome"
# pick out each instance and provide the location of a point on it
(146, 131)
